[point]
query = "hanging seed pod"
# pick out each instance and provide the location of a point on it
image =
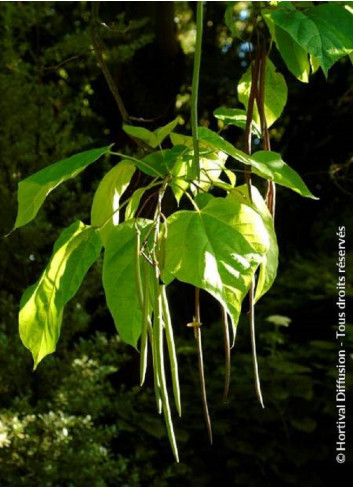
(145, 322)
(172, 351)
(196, 325)
(226, 354)
(144, 303)
(253, 343)
(157, 385)
(159, 355)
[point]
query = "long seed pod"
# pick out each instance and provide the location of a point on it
(254, 95)
(198, 338)
(171, 349)
(162, 244)
(253, 343)
(145, 321)
(156, 382)
(143, 296)
(159, 356)
(138, 279)
(226, 354)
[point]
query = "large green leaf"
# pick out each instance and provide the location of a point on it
(269, 165)
(134, 203)
(236, 117)
(152, 138)
(162, 132)
(211, 164)
(42, 304)
(106, 200)
(216, 249)
(268, 268)
(159, 163)
(32, 191)
(119, 279)
(275, 93)
(215, 142)
(295, 57)
(266, 164)
(324, 31)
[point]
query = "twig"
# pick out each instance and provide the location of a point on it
(99, 47)
(65, 61)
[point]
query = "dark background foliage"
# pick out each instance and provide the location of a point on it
(80, 419)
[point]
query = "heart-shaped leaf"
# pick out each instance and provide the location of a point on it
(217, 249)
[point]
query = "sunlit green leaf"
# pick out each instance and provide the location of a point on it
(32, 191)
(202, 199)
(231, 177)
(266, 164)
(151, 138)
(236, 117)
(275, 93)
(294, 55)
(314, 64)
(324, 31)
(119, 279)
(181, 139)
(42, 304)
(268, 268)
(162, 132)
(217, 249)
(134, 203)
(159, 163)
(211, 165)
(180, 184)
(211, 168)
(106, 200)
(141, 133)
(215, 142)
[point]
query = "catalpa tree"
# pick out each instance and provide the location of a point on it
(224, 245)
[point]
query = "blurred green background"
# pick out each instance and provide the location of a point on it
(81, 418)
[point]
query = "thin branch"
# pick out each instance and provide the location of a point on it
(99, 48)
(65, 61)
